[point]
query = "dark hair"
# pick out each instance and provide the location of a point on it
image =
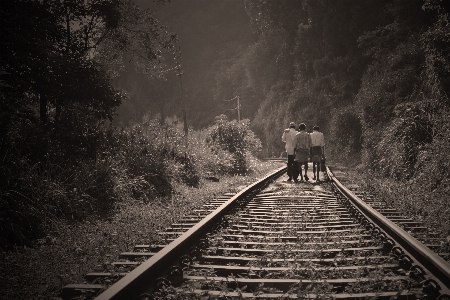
(316, 128)
(302, 126)
(292, 125)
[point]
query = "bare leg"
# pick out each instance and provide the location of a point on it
(306, 171)
(318, 170)
(295, 171)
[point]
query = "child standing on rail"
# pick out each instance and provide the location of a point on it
(302, 147)
(288, 139)
(317, 150)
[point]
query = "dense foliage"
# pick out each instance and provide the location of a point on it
(56, 101)
(143, 162)
(377, 66)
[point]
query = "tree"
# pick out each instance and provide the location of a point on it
(73, 41)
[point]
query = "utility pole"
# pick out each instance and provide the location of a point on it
(238, 106)
(239, 109)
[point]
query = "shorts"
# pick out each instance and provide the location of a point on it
(316, 158)
(301, 155)
(316, 150)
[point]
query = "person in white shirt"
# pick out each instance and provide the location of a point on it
(288, 139)
(317, 150)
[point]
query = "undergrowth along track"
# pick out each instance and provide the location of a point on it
(277, 240)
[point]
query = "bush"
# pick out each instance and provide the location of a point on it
(73, 174)
(35, 196)
(398, 147)
(87, 171)
(218, 162)
(236, 139)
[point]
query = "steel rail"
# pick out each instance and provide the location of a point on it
(435, 264)
(140, 280)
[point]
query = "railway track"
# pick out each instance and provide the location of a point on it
(277, 240)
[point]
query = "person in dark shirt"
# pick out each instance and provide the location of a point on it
(302, 148)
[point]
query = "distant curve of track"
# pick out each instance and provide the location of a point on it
(279, 240)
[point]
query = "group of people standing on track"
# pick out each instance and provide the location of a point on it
(302, 146)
